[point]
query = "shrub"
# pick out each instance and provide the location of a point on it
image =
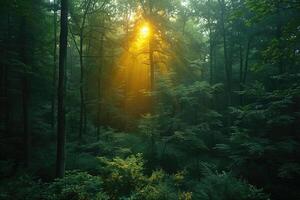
(24, 187)
(77, 186)
(223, 186)
(122, 176)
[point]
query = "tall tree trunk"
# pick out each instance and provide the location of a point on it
(241, 71)
(81, 85)
(98, 104)
(151, 58)
(61, 137)
(228, 70)
(4, 104)
(23, 40)
(210, 49)
(27, 133)
(82, 102)
(54, 65)
(226, 61)
(210, 53)
(85, 119)
(99, 82)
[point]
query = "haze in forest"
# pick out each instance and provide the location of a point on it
(149, 99)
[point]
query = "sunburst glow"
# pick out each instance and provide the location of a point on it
(132, 75)
(145, 30)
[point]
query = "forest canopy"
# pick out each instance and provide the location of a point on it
(149, 99)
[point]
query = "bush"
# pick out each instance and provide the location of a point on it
(223, 186)
(122, 176)
(24, 187)
(125, 179)
(77, 186)
(158, 186)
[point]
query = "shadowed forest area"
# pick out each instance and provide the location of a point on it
(149, 99)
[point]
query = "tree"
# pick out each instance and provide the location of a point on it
(207, 91)
(82, 26)
(61, 135)
(54, 78)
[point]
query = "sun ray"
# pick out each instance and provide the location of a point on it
(132, 73)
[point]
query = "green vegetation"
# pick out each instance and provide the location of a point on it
(149, 99)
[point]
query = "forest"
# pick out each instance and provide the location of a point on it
(149, 99)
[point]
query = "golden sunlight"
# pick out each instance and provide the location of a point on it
(145, 30)
(132, 75)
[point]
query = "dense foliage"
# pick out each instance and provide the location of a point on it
(158, 99)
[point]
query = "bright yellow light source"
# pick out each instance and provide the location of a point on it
(145, 31)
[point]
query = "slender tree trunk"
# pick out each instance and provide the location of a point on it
(61, 137)
(151, 58)
(82, 101)
(5, 80)
(99, 83)
(210, 54)
(210, 49)
(3, 94)
(4, 104)
(81, 85)
(54, 65)
(23, 40)
(227, 65)
(85, 119)
(226, 62)
(86, 94)
(241, 71)
(27, 133)
(98, 104)
(152, 77)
